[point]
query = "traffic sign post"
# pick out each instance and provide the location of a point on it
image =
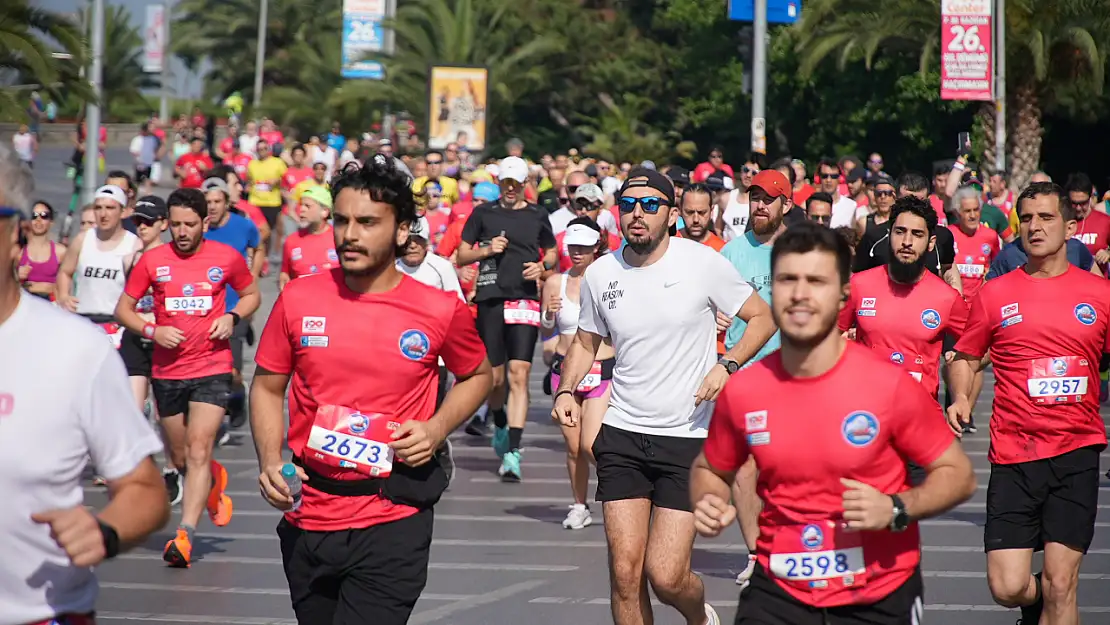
(778, 11)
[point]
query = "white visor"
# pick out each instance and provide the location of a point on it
(579, 234)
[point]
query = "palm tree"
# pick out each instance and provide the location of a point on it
(454, 32)
(25, 54)
(122, 77)
(1052, 48)
(619, 134)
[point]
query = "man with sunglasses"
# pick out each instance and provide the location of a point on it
(657, 300)
(715, 162)
(819, 208)
(513, 242)
(566, 212)
(433, 161)
(588, 202)
(732, 220)
(1092, 227)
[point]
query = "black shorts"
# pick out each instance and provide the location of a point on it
(379, 571)
(504, 341)
(764, 602)
(1053, 500)
(137, 353)
(239, 336)
(271, 213)
(173, 396)
(644, 466)
(442, 386)
(142, 174)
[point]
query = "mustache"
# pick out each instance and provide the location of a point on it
(352, 247)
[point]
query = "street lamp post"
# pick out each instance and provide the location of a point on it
(92, 115)
(260, 60)
(759, 77)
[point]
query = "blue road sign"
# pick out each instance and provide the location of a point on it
(778, 11)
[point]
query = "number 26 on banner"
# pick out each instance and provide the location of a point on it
(364, 31)
(965, 39)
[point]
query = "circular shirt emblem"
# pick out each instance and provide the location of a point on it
(897, 358)
(358, 422)
(969, 260)
(314, 269)
(414, 344)
(860, 428)
(1086, 314)
(812, 537)
(1059, 366)
(215, 275)
(930, 319)
(187, 290)
(332, 256)
(986, 249)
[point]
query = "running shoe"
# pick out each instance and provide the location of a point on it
(510, 466)
(578, 517)
(711, 617)
(100, 480)
(223, 435)
(443, 455)
(1031, 614)
(173, 485)
(219, 504)
(178, 551)
(745, 576)
(501, 441)
(237, 410)
(476, 426)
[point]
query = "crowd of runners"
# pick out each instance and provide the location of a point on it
(723, 345)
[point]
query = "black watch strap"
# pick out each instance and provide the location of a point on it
(111, 539)
(235, 318)
(562, 392)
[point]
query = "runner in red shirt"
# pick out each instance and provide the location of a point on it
(311, 249)
(191, 373)
(240, 161)
(193, 167)
(363, 426)
(976, 246)
(838, 526)
(903, 311)
(1045, 327)
(1092, 227)
(297, 173)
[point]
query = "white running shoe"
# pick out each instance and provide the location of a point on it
(578, 517)
(711, 617)
(745, 576)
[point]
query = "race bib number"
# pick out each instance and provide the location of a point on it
(592, 379)
(195, 304)
(971, 271)
(818, 551)
(114, 332)
(522, 312)
(348, 439)
(1057, 380)
(262, 187)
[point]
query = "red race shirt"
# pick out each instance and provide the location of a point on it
(272, 137)
(801, 195)
(904, 323)
(196, 168)
(938, 208)
(806, 434)
(252, 212)
(1094, 231)
(384, 360)
(1045, 336)
(304, 253)
(189, 294)
(241, 164)
(437, 221)
(294, 176)
(974, 255)
(226, 146)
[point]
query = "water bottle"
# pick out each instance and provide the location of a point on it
(293, 481)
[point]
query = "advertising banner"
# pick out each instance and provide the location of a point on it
(363, 34)
(966, 63)
(457, 107)
(154, 38)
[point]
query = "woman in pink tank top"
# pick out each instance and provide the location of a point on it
(38, 266)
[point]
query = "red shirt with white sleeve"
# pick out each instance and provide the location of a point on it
(974, 255)
(304, 253)
(190, 292)
(905, 323)
(383, 363)
(1094, 231)
(808, 433)
(1045, 336)
(241, 164)
(196, 168)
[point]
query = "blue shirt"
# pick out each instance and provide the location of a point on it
(1013, 256)
(337, 142)
(753, 260)
(241, 234)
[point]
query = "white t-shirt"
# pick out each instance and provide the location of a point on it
(607, 222)
(843, 212)
(435, 271)
(328, 156)
(559, 219)
(24, 145)
(662, 322)
(64, 397)
(248, 144)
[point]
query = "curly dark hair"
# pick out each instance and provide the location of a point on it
(380, 178)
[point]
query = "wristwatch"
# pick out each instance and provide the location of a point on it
(111, 540)
(900, 519)
(730, 365)
(235, 318)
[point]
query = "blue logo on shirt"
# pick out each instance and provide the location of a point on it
(215, 275)
(358, 422)
(930, 319)
(897, 358)
(332, 256)
(187, 290)
(812, 537)
(414, 344)
(860, 428)
(1086, 314)
(986, 249)
(1059, 366)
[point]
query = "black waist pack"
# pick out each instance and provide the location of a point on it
(420, 487)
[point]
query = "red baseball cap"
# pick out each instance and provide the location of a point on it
(773, 182)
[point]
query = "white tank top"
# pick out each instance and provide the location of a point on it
(99, 278)
(567, 317)
(735, 217)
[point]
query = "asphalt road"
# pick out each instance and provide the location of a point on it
(499, 553)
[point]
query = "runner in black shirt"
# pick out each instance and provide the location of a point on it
(513, 244)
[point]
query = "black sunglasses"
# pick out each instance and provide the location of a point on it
(43, 215)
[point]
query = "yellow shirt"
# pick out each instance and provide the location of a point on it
(266, 181)
(1015, 222)
(449, 186)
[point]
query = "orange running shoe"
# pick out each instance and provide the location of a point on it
(178, 551)
(219, 504)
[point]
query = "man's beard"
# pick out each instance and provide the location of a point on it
(643, 248)
(828, 326)
(906, 273)
(769, 226)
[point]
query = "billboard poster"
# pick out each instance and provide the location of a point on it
(966, 63)
(363, 34)
(457, 99)
(154, 38)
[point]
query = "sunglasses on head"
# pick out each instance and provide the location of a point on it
(651, 205)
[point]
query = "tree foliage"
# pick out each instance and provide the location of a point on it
(122, 79)
(28, 37)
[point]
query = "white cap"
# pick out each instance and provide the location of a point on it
(112, 192)
(581, 234)
(421, 228)
(729, 184)
(589, 192)
(513, 168)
